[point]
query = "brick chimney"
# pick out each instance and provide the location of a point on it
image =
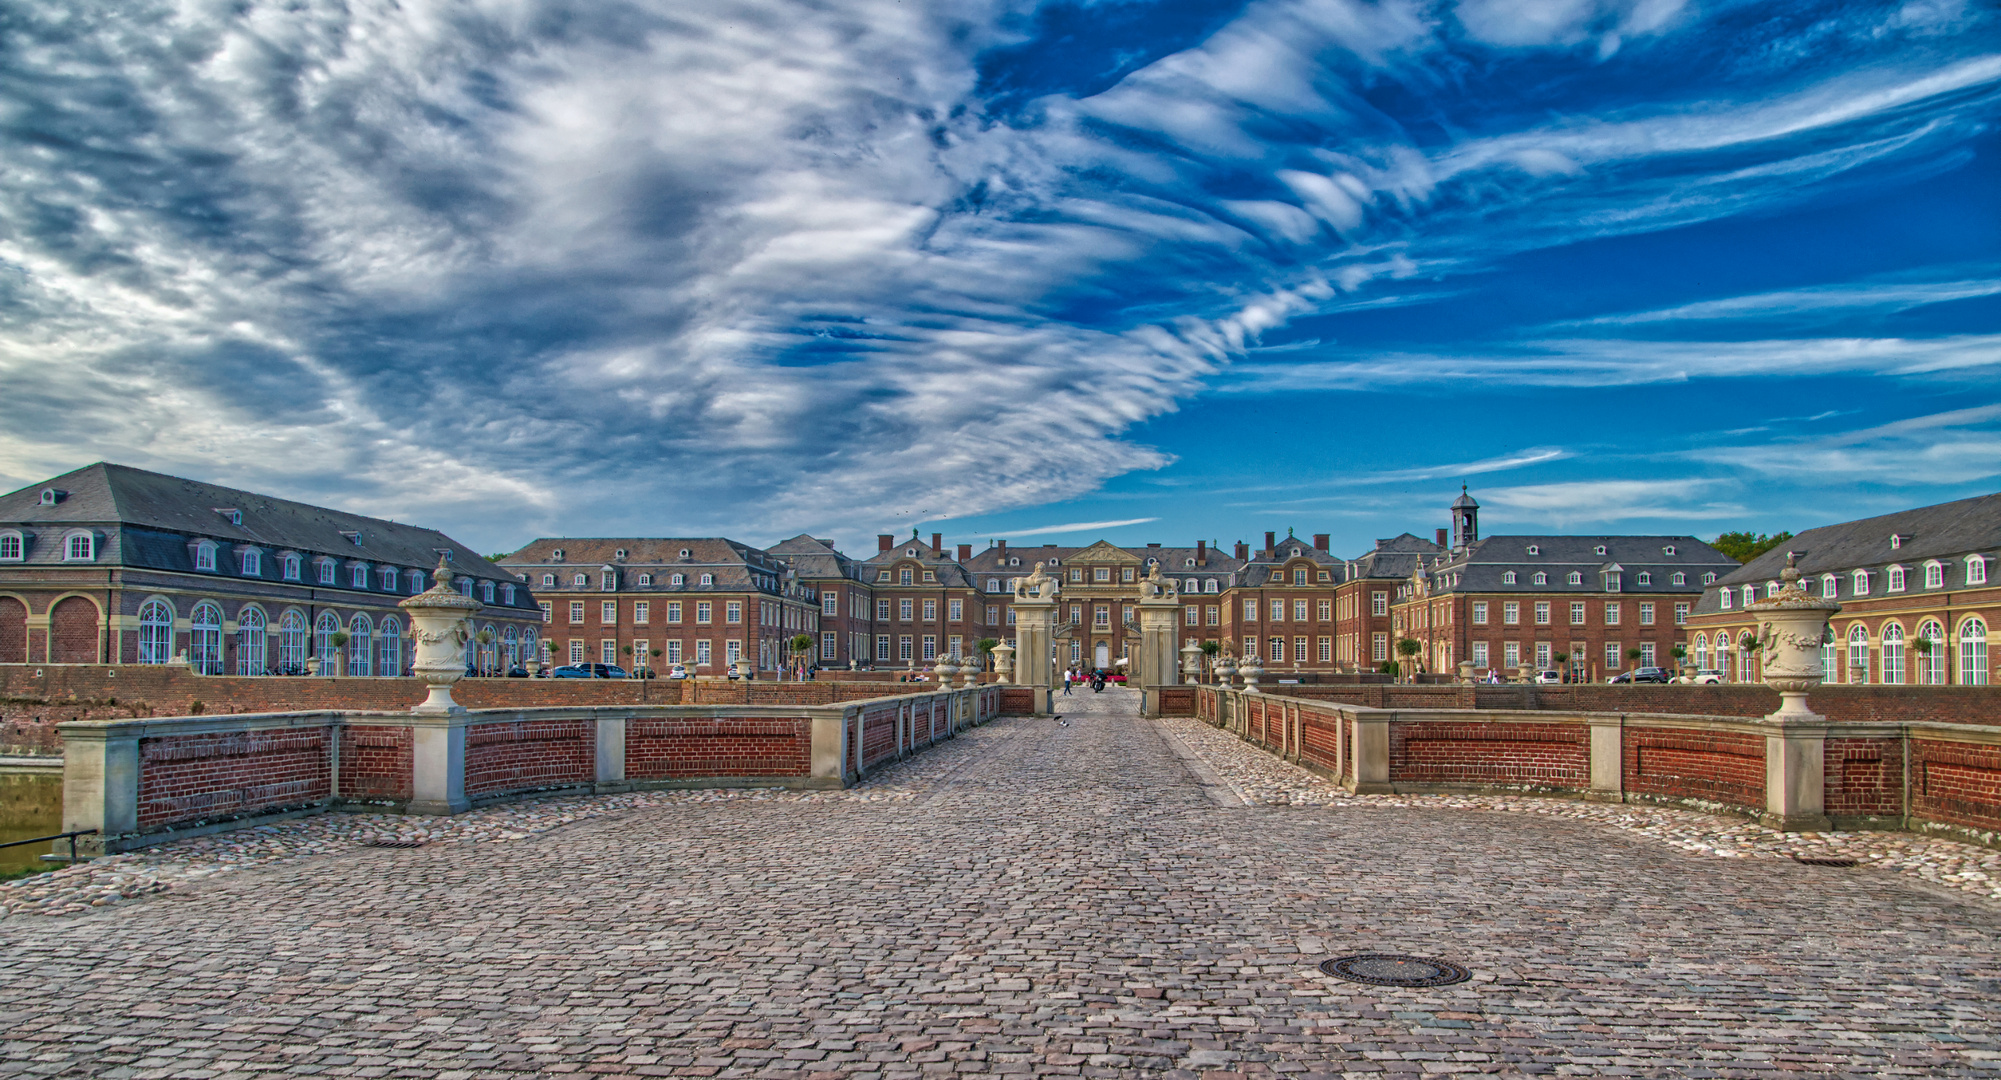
(937, 543)
(1443, 536)
(1271, 543)
(884, 541)
(1003, 551)
(1201, 552)
(965, 553)
(1243, 550)
(1320, 541)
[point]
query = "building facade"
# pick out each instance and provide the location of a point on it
(116, 565)
(1918, 593)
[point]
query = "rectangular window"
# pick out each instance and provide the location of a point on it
(674, 651)
(955, 611)
(1542, 654)
(1250, 611)
(1326, 610)
(1278, 611)
(930, 611)
(882, 646)
(608, 651)
(1611, 614)
(1326, 650)
(1611, 656)
(608, 613)
(1511, 654)
(1577, 613)
(1379, 604)
(733, 611)
(1127, 573)
(1101, 616)
(1646, 614)
(702, 652)
(955, 646)
(1299, 611)
(930, 576)
(903, 647)
(1479, 654)
(1299, 650)
(705, 611)
(576, 611)
(830, 645)
(830, 603)
(1511, 612)
(1646, 654)
(1542, 613)
(993, 614)
(1101, 573)
(1278, 650)
(673, 611)
(576, 650)
(1010, 615)
(1380, 648)
(1479, 613)
(642, 611)
(732, 651)
(1191, 616)
(1681, 614)
(930, 646)
(1250, 647)
(1212, 614)
(548, 614)
(882, 610)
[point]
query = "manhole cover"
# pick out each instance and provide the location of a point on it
(1388, 969)
(392, 843)
(1823, 862)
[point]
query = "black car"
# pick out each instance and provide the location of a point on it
(1642, 675)
(589, 671)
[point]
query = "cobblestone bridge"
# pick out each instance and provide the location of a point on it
(1035, 898)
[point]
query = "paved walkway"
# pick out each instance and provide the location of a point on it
(1037, 899)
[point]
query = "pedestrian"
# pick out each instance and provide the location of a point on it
(1066, 679)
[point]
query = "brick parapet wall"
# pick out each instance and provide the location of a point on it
(717, 748)
(1837, 702)
(527, 755)
(220, 774)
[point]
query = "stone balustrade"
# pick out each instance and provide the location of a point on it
(142, 781)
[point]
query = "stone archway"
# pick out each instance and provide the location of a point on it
(13, 631)
(73, 631)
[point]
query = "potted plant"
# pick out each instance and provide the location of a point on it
(1563, 662)
(1209, 651)
(338, 641)
(1408, 648)
(1680, 654)
(485, 638)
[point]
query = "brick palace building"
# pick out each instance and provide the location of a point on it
(116, 565)
(1919, 599)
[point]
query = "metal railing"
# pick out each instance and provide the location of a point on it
(70, 836)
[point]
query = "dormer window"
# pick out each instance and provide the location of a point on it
(646, 579)
(1934, 575)
(1055, 562)
(1508, 578)
(677, 579)
(1535, 549)
(230, 514)
(357, 575)
(1679, 578)
(204, 554)
(1830, 585)
(1668, 550)
(388, 579)
(326, 572)
(708, 579)
(619, 554)
(578, 581)
(1576, 578)
(685, 553)
(12, 547)
(1014, 560)
(1600, 549)
(52, 496)
(465, 587)
(904, 576)
(1295, 553)
(507, 595)
(911, 552)
(80, 547)
(1209, 585)
(1645, 578)
(607, 581)
(1611, 583)
(1896, 541)
(1861, 583)
(1976, 570)
(352, 537)
(1895, 579)
(1709, 578)
(548, 581)
(1188, 563)
(416, 582)
(486, 591)
(289, 567)
(1723, 599)
(1541, 578)
(930, 577)
(252, 562)
(557, 555)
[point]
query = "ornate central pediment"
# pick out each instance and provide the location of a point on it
(1103, 552)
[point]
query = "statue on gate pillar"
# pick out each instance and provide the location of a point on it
(1159, 614)
(1035, 613)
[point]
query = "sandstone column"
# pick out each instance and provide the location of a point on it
(1159, 614)
(1035, 615)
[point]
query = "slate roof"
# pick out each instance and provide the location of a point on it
(1219, 565)
(149, 519)
(1483, 566)
(816, 559)
(733, 565)
(1392, 559)
(1947, 531)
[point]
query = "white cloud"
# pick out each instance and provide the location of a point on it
(1074, 527)
(1583, 501)
(1957, 447)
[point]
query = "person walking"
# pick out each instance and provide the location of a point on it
(1067, 676)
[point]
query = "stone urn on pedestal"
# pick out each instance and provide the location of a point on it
(1191, 662)
(1791, 627)
(1003, 663)
(1251, 671)
(440, 626)
(942, 672)
(1226, 670)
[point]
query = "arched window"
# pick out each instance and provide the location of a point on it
(1645, 578)
(1973, 653)
(677, 579)
(1576, 578)
(326, 571)
(1750, 595)
(1861, 586)
(289, 567)
(251, 561)
(360, 646)
(1209, 585)
(1830, 658)
(291, 643)
(1893, 655)
(205, 639)
(1894, 579)
(156, 632)
(489, 649)
(391, 648)
(513, 648)
(1679, 578)
(1931, 658)
(708, 579)
(548, 581)
(578, 581)
(1976, 570)
(250, 654)
(1830, 586)
(389, 576)
(1725, 599)
(531, 650)
(416, 582)
(1709, 578)
(1508, 578)
(1934, 575)
(486, 591)
(1858, 654)
(1745, 660)
(80, 547)
(646, 579)
(12, 548)
(1541, 578)
(323, 632)
(1701, 651)
(205, 555)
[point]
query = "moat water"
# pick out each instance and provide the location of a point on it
(31, 804)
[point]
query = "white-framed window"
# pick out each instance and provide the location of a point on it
(1861, 579)
(82, 547)
(830, 603)
(1542, 654)
(324, 629)
(1508, 578)
(1575, 578)
(733, 611)
(1577, 613)
(1830, 585)
(1611, 614)
(708, 579)
(1479, 613)
(486, 592)
(250, 644)
(547, 614)
(993, 614)
(1645, 578)
(13, 548)
(156, 632)
(251, 562)
(1934, 575)
(1681, 614)
(646, 579)
(1931, 661)
(1973, 653)
(1750, 595)
(703, 654)
(391, 648)
(1858, 653)
(576, 650)
(416, 578)
(1278, 611)
(291, 643)
(673, 650)
(642, 611)
(507, 595)
(360, 646)
(903, 647)
(1893, 579)
(1893, 655)
(1724, 599)
(930, 611)
(205, 639)
(1678, 578)
(1599, 550)
(1277, 650)
(1646, 614)
(705, 611)
(608, 612)
(357, 576)
(1379, 603)
(578, 581)
(1535, 549)
(608, 651)
(1479, 654)
(1700, 651)
(1647, 654)
(830, 645)
(1541, 578)
(1709, 578)
(608, 581)
(1209, 585)
(326, 571)
(1976, 570)
(1612, 656)
(1511, 653)
(1511, 612)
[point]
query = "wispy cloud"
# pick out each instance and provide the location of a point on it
(1075, 527)
(1591, 501)
(1956, 447)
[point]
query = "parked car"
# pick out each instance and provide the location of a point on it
(1651, 675)
(1549, 675)
(1707, 676)
(589, 671)
(677, 671)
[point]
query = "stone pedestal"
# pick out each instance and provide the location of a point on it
(1791, 627)
(440, 625)
(1159, 615)
(1035, 615)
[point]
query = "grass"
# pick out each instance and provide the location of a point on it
(20, 872)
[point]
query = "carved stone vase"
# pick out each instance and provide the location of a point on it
(1791, 627)
(1003, 662)
(440, 626)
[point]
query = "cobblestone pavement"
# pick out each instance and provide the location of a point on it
(1036, 898)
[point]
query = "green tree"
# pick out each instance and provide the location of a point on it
(1745, 546)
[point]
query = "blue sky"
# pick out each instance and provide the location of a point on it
(1148, 271)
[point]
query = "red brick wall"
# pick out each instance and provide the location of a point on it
(1956, 783)
(793, 693)
(1863, 777)
(1691, 764)
(1177, 701)
(878, 740)
(1539, 755)
(1843, 703)
(376, 763)
(184, 778)
(1017, 700)
(1320, 737)
(529, 754)
(13, 631)
(73, 632)
(701, 748)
